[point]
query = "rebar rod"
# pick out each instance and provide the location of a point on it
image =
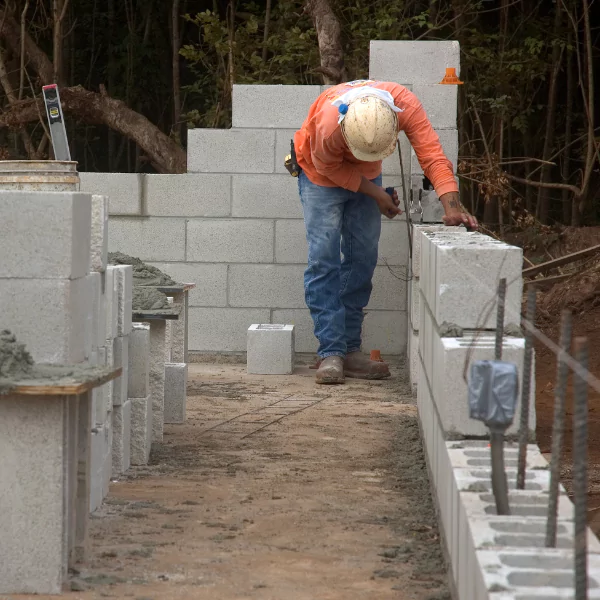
(525, 391)
(558, 427)
(499, 483)
(580, 442)
(500, 318)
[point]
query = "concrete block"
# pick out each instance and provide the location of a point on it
(188, 195)
(270, 349)
(222, 329)
(97, 310)
(413, 359)
(439, 102)
(231, 151)
(154, 238)
(107, 461)
(125, 298)
(290, 242)
(121, 446)
(121, 359)
(230, 241)
(110, 362)
(179, 332)
(417, 233)
(111, 288)
(393, 244)
(385, 330)
(277, 286)
(391, 165)
(272, 106)
(266, 196)
(449, 140)
(157, 377)
(138, 383)
(210, 280)
(414, 301)
(451, 392)
(99, 235)
(49, 316)
(304, 338)
(124, 190)
(45, 235)
(389, 289)
(175, 392)
(97, 457)
(433, 209)
(283, 137)
(33, 544)
(141, 430)
(466, 271)
(412, 62)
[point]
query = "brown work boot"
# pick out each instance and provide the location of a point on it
(359, 366)
(331, 370)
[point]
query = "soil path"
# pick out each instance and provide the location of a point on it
(273, 489)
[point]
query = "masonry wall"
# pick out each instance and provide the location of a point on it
(233, 223)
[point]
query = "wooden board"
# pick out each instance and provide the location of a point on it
(66, 386)
(158, 315)
(563, 260)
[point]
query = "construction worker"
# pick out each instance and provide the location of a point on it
(349, 130)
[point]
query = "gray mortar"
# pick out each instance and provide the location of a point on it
(143, 274)
(451, 330)
(18, 368)
(149, 298)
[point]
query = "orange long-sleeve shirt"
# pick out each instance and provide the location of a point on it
(326, 160)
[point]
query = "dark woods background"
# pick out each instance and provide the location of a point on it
(135, 74)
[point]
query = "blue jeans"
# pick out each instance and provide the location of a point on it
(336, 290)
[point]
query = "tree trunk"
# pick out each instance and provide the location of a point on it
(112, 142)
(176, 76)
(329, 34)
(266, 32)
(95, 109)
(59, 9)
(544, 195)
(566, 165)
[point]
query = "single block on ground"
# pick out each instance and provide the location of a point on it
(121, 446)
(141, 430)
(138, 382)
(270, 349)
(157, 377)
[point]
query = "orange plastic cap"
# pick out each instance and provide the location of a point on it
(376, 355)
(451, 78)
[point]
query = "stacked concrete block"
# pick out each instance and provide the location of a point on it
(139, 393)
(99, 238)
(423, 65)
(157, 377)
(270, 349)
(175, 392)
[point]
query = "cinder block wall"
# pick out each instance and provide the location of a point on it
(233, 223)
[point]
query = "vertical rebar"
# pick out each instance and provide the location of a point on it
(558, 427)
(580, 442)
(500, 318)
(499, 483)
(525, 390)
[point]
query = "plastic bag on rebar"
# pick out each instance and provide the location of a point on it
(493, 389)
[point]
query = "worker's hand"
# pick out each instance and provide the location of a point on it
(388, 205)
(455, 213)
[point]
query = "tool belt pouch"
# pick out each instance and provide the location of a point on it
(291, 164)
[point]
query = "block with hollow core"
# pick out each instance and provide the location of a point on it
(175, 392)
(124, 298)
(45, 235)
(99, 241)
(33, 446)
(141, 430)
(417, 234)
(121, 360)
(157, 377)
(138, 385)
(270, 349)
(460, 274)
(121, 441)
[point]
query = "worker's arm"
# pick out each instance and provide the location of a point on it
(436, 166)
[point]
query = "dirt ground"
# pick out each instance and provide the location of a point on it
(273, 489)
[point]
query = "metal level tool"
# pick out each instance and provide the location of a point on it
(56, 121)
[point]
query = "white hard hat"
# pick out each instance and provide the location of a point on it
(370, 128)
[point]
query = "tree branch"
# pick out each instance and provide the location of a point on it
(540, 184)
